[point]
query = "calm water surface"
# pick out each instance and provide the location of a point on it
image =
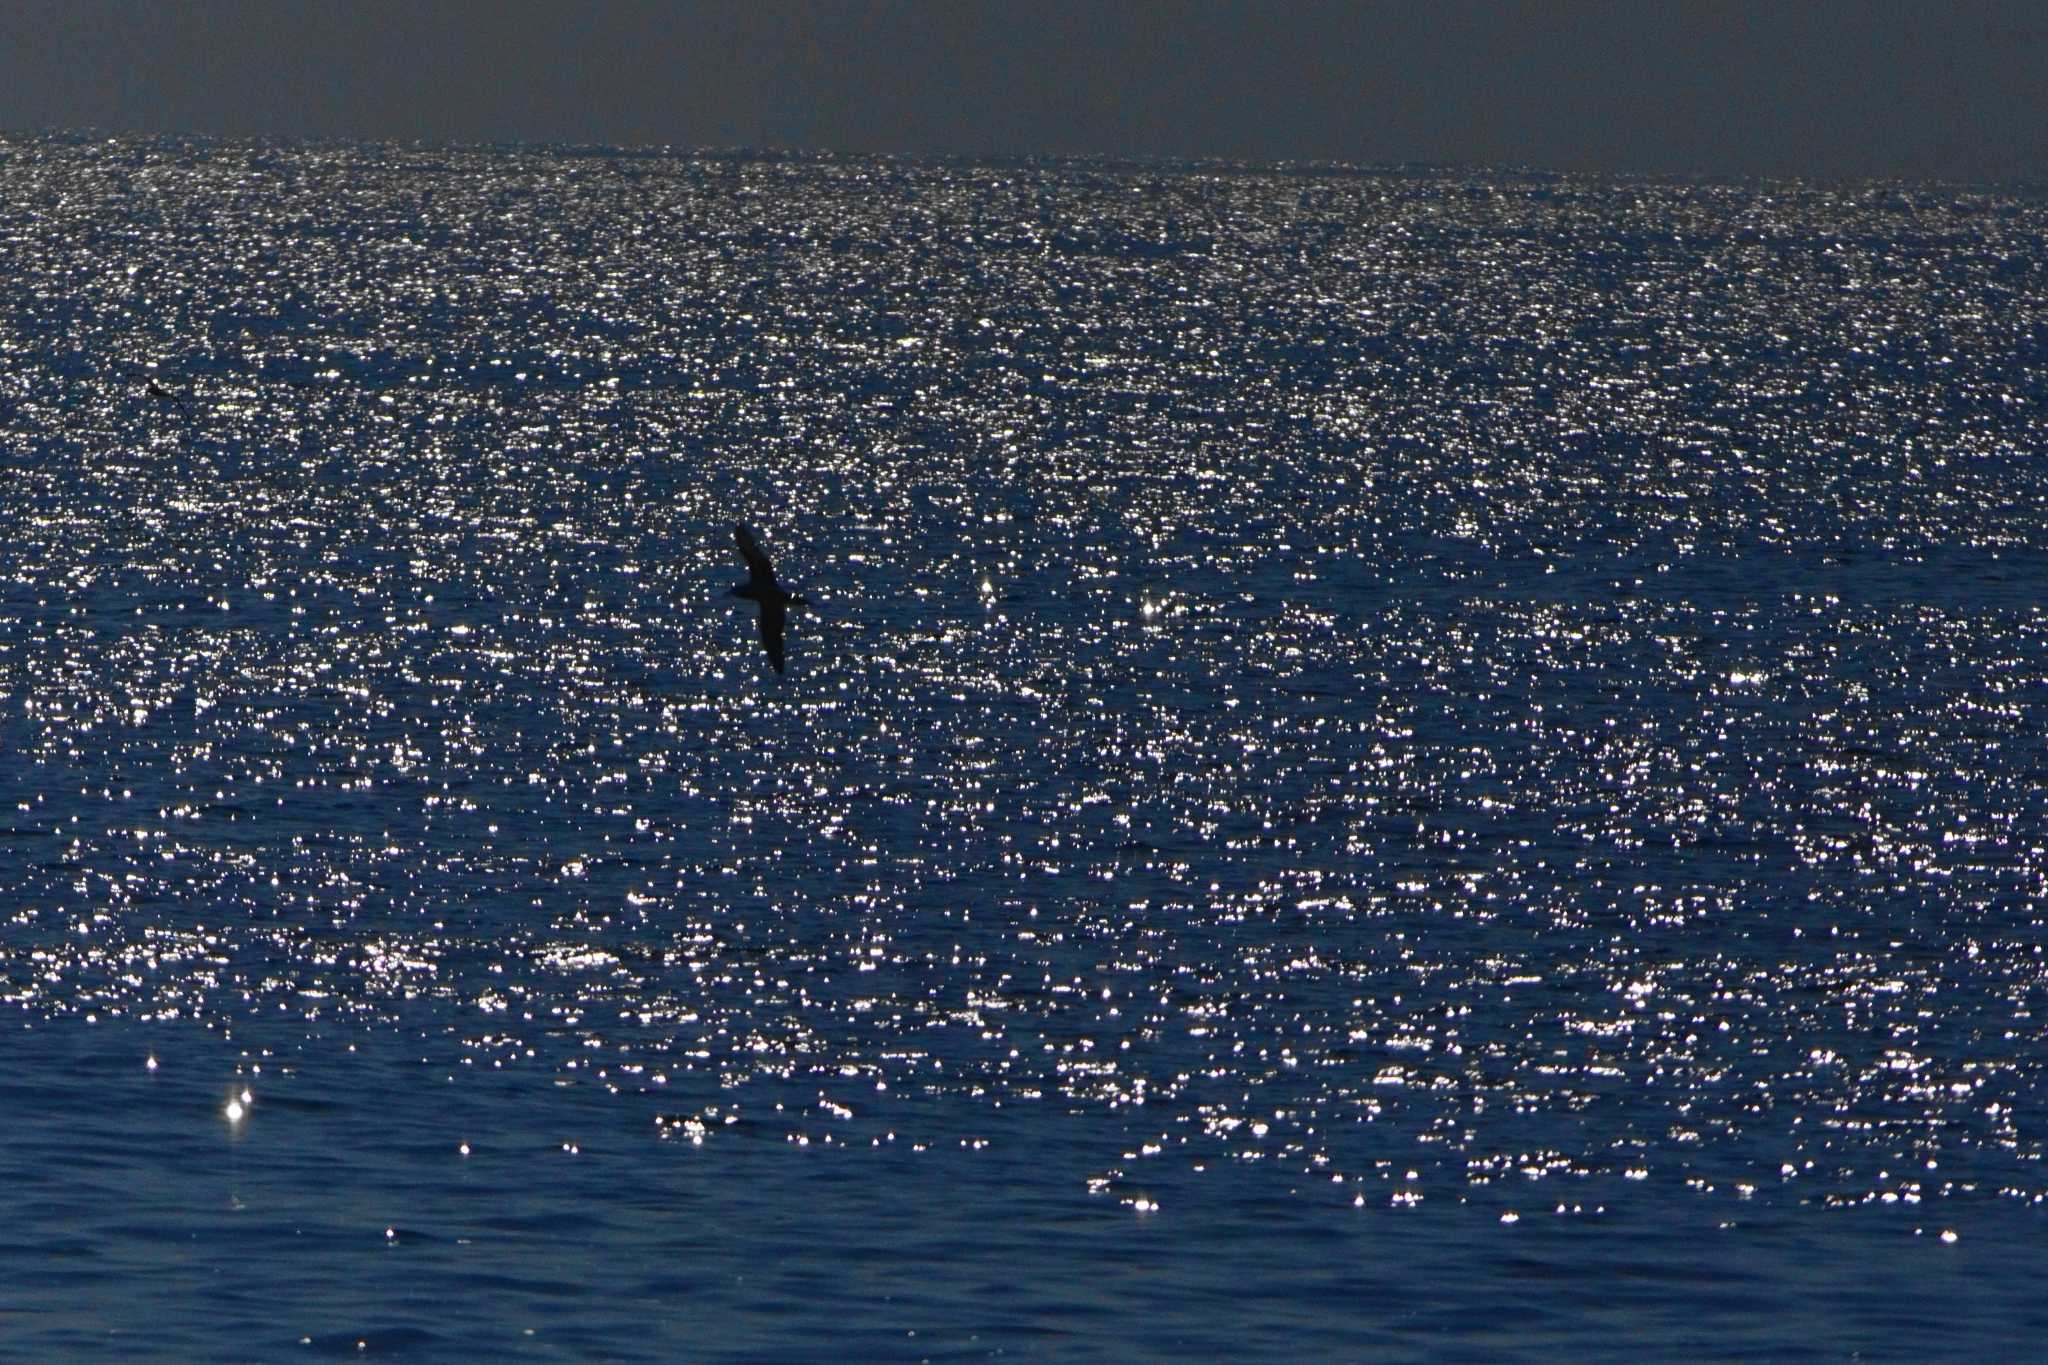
(1407, 764)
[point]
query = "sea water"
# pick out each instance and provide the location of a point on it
(1409, 762)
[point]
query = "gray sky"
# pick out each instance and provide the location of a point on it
(1954, 88)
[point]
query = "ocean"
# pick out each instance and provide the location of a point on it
(1388, 763)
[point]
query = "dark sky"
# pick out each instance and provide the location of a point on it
(1950, 88)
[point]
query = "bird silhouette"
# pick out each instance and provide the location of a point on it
(762, 588)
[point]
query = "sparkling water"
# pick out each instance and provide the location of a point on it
(1417, 763)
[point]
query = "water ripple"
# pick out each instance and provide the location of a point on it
(1456, 696)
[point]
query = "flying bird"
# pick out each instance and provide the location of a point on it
(762, 588)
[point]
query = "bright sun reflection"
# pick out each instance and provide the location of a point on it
(1580, 748)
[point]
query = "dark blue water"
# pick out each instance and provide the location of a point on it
(1407, 764)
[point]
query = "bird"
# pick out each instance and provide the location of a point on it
(762, 588)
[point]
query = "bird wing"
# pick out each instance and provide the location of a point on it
(772, 618)
(758, 566)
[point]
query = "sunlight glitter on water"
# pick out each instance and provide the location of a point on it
(1322, 683)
